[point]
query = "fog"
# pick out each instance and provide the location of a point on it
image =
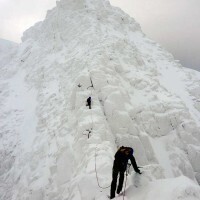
(175, 24)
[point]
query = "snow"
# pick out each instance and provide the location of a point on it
(52, 146)
(7, 51)
(162, 155)
(177, 188)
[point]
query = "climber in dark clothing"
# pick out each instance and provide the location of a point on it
(89, 102)
(119, 167)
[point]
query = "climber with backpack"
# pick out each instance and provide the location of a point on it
(119, 167)
(89, 102)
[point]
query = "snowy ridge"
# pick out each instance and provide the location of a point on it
(53, 147)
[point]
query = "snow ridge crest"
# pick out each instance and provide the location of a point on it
(82, 4)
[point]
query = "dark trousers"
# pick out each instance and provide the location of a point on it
(114, 182)
(89, 104)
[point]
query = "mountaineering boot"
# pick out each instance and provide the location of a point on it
(118, 191)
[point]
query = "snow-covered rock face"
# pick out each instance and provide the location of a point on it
(54, 147)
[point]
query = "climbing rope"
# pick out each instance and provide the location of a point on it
(96, 146)
(96, 171)
(92, 119)
(92, 100)
(127, 172)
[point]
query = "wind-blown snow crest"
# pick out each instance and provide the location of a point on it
(54, 147)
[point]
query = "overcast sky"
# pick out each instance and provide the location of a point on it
(175, 24)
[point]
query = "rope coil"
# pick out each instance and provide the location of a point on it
(96, 171)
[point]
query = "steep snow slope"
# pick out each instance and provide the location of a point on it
(53, 147)
(7, 50)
